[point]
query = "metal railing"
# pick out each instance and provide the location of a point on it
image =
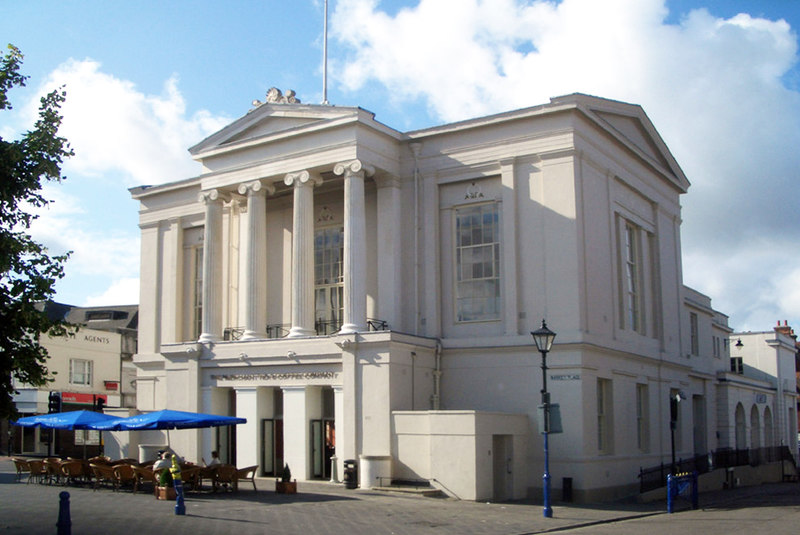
(232, 333)
(656, 477)
(321, 327)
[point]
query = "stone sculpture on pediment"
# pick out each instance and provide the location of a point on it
(276, 96)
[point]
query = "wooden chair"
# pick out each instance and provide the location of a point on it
(52, 466)
(37, 470)
(247, 474)
(225, 477)
(144, 475)
(103, 473)
(72, 472)
(22, 467)
(124, 474)
(100, 459)
(191, 476)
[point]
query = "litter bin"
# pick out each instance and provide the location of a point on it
(350, 478)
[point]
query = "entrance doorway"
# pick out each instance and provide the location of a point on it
(272, 446)
(323, 446)
(502, 467)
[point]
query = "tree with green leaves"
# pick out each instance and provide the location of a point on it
(27, 272)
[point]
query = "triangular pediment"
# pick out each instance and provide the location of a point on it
(271, 126)
(272, 120)
(629, 125)
(632, 129)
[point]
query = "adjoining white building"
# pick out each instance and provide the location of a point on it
(758, 395)
(362, 293)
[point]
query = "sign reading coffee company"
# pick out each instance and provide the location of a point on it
(275, 376)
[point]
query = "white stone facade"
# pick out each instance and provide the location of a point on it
(358, 291)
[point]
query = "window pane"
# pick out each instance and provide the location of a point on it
(477, 255)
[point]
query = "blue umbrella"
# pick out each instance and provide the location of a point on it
(168, 419)
(66, 420)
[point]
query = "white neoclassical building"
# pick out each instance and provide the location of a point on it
(362, 293)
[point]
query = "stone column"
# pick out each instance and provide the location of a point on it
(211, 323)
(509, 291)
(391, 254)
(248, 436)
(171, 294)
(296, 430)
(255, 259)
(355, 251)
(303, 253)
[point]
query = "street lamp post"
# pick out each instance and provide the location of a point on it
(673, 422)
(543, 337)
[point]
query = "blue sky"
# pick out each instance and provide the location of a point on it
(147, 79)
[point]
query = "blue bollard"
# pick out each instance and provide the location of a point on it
(180, 506)
(670, 493)
(64, 523)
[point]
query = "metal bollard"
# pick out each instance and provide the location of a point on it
(64, 523)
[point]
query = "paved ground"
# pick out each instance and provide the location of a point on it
(322, 508)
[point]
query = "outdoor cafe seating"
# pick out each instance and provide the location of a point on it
(102, 471)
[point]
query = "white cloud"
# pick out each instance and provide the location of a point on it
(122, 134)
(121, 292)
(121, 138)
(713, 87)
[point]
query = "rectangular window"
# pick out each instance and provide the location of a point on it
(80, 372)
(737, 366)
(604, 423)
(695, 335)
(642, 424)
(631, 277)
(197, 289)
(329, 279)
(477, 253)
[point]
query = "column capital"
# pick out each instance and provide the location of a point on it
(353, 167)
(210, 195)
(255, 186)
(302, 177)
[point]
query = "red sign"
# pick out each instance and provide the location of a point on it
(111, 385)
(78, 398)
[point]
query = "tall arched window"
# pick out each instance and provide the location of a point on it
(769, 439)
(741, 428)
(755, 428)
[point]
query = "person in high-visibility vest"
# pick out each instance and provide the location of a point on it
(175, 470)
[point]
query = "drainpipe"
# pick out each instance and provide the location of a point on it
(437, 377)
(415, 148)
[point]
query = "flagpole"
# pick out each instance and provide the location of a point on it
(325, 58)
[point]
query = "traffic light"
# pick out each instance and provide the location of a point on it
(54, 402)
(99, 404)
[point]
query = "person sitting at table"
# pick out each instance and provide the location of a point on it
(214, 459)
(163, 461)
